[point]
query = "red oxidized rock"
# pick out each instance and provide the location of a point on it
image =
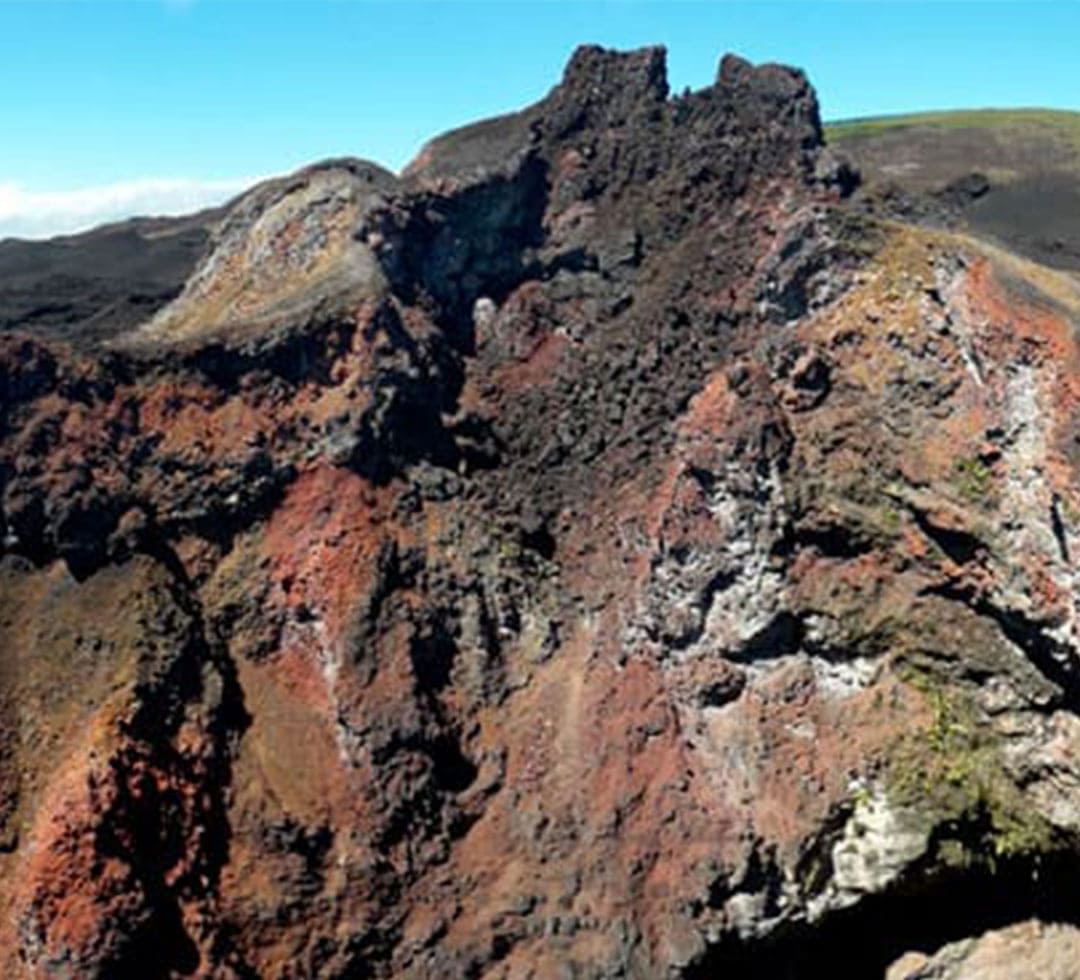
(593, 551)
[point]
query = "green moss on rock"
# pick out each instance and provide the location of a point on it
(952, 774)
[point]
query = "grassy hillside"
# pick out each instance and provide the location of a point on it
(1031, 158)
(934, 147)
(1064, 123)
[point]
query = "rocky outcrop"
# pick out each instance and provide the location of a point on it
(1028, 949)
(595, 552)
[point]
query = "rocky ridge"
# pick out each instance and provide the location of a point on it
(598, 552)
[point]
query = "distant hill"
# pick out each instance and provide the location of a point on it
(1012, 175)
(103, 280)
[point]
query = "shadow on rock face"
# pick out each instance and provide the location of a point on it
(860, 943)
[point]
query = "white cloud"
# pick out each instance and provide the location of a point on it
(40, 214)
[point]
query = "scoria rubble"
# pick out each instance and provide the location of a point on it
(599, 551)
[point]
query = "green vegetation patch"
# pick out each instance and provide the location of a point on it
(974, 479)
(952, 774)
(1062, 121)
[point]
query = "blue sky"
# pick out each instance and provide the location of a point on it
(162, 104)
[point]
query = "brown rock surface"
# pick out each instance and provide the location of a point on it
(1025, 951)
(594, 553)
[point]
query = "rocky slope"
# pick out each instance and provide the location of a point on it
(601, 551)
